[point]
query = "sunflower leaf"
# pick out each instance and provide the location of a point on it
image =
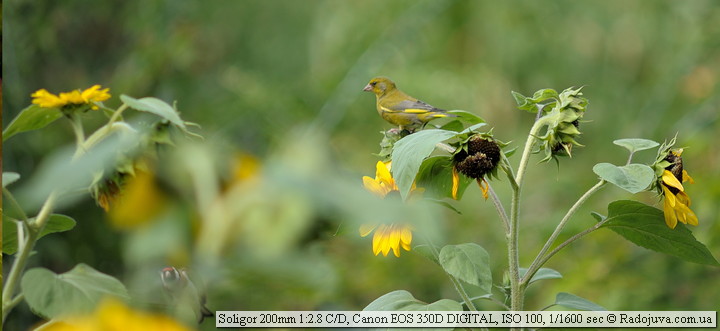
(435, 176)
(575, 302)
(74, 292)
(645, 226)
(404, 301)
(410, 152)
(56, 223)
(468, 262)
(31, 118)
(633, 178)
(636, 144)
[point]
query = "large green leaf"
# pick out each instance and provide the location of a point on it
(31, 118)
(409, 153)
(404, 301)
(9, 178)
(575, 302)
(75, 292)
(633, 178)
(645, 226)
(435, 176)
(636, 144)
(155, 106)
(468, 262)
(56, 223)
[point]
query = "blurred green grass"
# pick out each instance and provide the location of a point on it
(250, 72)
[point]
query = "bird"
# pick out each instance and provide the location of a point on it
(401, 109)
(184, 294)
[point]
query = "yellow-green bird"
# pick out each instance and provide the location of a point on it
(399, 108)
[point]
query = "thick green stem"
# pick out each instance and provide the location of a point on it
(539, 261)
(517, 291)
(76, 123)
(34, 230)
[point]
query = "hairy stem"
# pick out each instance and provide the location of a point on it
(516, 287)
(34, 230)
(568, 242)
(500, 209)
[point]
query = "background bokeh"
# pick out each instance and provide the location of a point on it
(255, 73)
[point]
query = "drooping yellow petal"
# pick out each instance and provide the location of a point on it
(669, 179)
(484, 188)
(686, 177)
(385, 241)
(366, 229)
(374, 187)
(394, 240)
(455, 183)
(669, 197)
(669, 212)
(377, 239)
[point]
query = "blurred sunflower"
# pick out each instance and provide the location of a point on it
(89, 96)
(393, 236)
(114, 315)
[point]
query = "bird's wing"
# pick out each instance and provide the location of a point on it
(410, 106)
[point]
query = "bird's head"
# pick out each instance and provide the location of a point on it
(173, 278)
(379, 86)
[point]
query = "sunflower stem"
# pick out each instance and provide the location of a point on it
(34, 230)
(539, 259)
(569, 241)
(517, 291)
(500, 209)
(76, 123)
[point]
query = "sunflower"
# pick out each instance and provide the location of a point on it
(676, 206)
(89, 96)
(387, 237)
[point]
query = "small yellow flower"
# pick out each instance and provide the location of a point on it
(89, 96)
(677, 203)
(112, 315)
(387, 237)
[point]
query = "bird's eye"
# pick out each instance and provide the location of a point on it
(373, 83)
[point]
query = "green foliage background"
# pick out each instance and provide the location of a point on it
(251, 72)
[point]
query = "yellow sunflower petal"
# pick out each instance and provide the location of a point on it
(687, 216)
(669, 179)
(45, 99)
(394, 240)
(74, 97)
(669, 197)
(383, 174)
(385, 241)
(686, 177)
(373, 186)
(406, 235)
(366, 229)
(484, 188)
(669, 212)
(377, 239)
(455, 183)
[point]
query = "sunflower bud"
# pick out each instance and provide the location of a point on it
(562, 115)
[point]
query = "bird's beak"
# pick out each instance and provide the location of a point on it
(367, 88)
